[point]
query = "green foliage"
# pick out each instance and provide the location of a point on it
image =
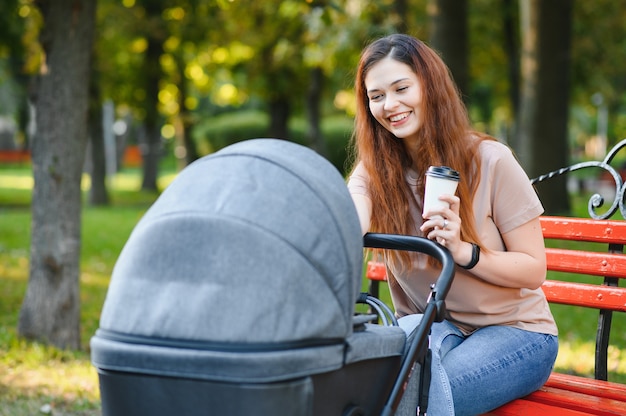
(336, 131)
(236, 53)
(214, 133)
(220, 131)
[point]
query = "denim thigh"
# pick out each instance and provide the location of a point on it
(494, 365)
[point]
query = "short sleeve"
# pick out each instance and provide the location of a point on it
(514, 201)
(358, 181)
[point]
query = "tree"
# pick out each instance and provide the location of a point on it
(156, 35)
(98, 193)
(313, 110)
(51, 307)
(598, 62)
(511, 48)
(449, 36)
(542, 129)
(187, 23)
(129, 50)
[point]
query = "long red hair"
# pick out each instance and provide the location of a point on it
(445, 138)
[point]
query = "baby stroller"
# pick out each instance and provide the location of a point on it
(235, 295)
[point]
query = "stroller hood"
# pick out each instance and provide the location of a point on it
(257, 244)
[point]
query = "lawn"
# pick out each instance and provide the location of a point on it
(39, 379)
(36, 378)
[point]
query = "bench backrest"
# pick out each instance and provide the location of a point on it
(610, 264)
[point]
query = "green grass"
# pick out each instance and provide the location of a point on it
(35, 378)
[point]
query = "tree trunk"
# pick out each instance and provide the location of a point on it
(185, 119)
(191, 153)
(279, 117)
(511, 48)
(313, 111)
(542, 129)
(401, 10)
(51, 307)
(449, 36)
(98, 194)
(151, 148)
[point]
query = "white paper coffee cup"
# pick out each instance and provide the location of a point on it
(440, 180)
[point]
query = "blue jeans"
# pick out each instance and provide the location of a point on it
(474, 374)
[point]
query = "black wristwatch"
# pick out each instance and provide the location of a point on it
(475, 257)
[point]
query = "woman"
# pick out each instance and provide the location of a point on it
(499, 340)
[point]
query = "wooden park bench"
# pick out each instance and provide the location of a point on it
(566, 394)
(14, 156)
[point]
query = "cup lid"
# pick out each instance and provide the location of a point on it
(443, 172)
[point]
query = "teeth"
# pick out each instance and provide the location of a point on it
(399, 117)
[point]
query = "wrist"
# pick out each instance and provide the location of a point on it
(475, 257)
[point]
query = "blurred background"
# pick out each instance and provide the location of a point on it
(103, 102)
(185, 78)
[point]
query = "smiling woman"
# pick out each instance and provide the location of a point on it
(410, 117)
(395, 98)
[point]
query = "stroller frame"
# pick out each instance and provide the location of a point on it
(419, 351)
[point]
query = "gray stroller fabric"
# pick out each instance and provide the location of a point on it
(247, 267)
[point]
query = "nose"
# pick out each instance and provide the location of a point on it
(390, 102)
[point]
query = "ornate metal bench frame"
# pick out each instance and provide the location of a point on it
(596, 201)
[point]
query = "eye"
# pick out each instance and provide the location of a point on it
(375, 97)
(402, 89)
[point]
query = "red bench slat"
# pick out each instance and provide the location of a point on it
(583, 229)
(586, 262)
(587, 295)
(586, 385)
(589, 403)
(522, 407)
(570, 395)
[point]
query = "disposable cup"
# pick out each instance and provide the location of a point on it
(440, 180)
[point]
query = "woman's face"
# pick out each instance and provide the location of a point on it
(395, 97)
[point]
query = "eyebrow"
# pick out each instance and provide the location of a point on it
(392, 84)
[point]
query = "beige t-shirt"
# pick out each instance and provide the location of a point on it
(503, 201)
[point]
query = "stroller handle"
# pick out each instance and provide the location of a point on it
(418, 351)
(422, 245)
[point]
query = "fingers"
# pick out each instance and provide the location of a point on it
(444, 224)
(447, 228)
(454, 201)
(452, 210)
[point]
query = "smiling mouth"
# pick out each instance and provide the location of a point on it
(399, 117)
